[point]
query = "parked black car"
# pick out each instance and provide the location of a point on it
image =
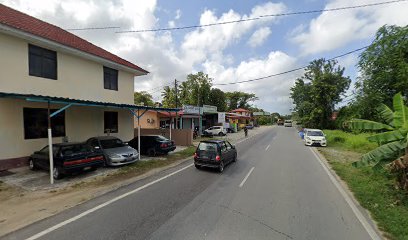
(214, 154)
(153, 145)
(68, 158)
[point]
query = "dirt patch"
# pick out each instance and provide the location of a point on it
(338, 155)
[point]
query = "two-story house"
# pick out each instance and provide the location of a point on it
(40, 64)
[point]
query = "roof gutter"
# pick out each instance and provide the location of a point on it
(63, 48)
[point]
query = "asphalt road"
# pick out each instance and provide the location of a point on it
(287, 195)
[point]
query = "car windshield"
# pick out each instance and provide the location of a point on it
(74, 149)
(288, 121)
(208, 147)
(315, 133)
(161, 138)
(111, 143)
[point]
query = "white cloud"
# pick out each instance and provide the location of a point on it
(201, 44)
(165, 59)
(171, 24)
(259, 36)
(178, 14)
(331, 30)
(273, 92)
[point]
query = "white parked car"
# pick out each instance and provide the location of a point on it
(315, 137)
(217, 130)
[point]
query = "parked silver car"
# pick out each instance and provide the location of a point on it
(115, 151)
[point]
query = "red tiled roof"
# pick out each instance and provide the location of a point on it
(240, 110)
(21, 21)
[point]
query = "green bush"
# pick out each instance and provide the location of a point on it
(349, 141)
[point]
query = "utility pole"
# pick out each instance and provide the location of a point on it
(199, 113)
(175, 87)
(176, 94)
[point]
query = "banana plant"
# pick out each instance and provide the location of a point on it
(393, 140)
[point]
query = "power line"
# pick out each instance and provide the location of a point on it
(262, 17)
(160, 86)
(289, 71)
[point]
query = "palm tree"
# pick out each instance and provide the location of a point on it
(393, 141)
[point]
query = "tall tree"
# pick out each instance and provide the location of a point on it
(217, 98)
(200, 86)
(169, 99)
(384, 70)
(239, 99)
(317, 92)
(143, 98)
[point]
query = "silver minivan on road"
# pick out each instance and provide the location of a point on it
(288, 123)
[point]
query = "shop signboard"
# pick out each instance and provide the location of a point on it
(221, 117)
(209, 109)
(189, 109)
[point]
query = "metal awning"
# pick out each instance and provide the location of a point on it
(69, 102)
(79, 102)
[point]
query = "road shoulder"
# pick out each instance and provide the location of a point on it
(361, 213)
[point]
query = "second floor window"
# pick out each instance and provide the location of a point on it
(110, 78)
(42, 62)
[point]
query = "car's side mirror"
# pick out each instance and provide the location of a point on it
(233, 147)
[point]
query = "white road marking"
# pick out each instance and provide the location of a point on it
(266, 149)
(246, 177)
(61, 224)
(370, 230)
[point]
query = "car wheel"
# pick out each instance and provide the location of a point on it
(197, 166)
(57, 173)
(220, 134)
(93, 169)
(221, 167)
(151, 152)
(31, 164)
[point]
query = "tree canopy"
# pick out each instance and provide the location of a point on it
(316, 93)
(143, 98)
(198, 90)
(384, 70)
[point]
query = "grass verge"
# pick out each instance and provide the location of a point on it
(349, 141)
(375, 190)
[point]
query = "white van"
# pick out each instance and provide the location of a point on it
(288, 123)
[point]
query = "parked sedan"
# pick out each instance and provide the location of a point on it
(315, 137)
(216, 130)
(68, 158)
(153, 145)
(115, 151)
(214, 154)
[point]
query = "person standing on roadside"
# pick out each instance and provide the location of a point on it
(246, 131)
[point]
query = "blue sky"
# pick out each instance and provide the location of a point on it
(228, 53)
